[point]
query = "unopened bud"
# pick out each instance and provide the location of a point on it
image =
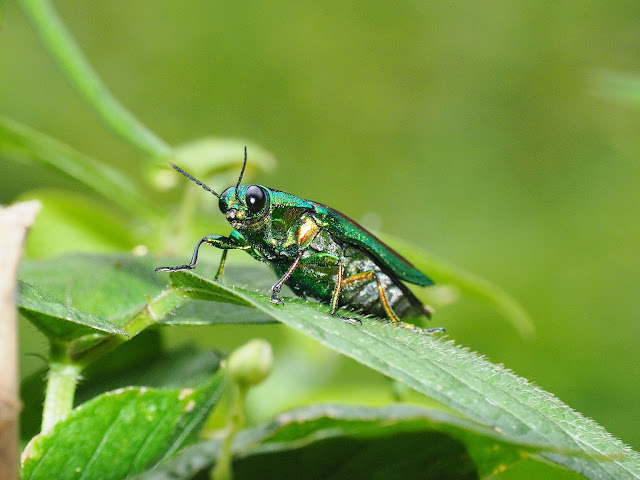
(251, 363)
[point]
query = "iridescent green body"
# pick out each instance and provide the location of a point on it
(317, 251)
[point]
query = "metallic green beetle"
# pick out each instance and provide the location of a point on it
(316, 251)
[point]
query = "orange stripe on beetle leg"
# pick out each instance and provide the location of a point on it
(385, 304)
(336, 292)
(357, 277)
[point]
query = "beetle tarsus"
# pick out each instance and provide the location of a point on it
(173, 269)
(350, 320)
(423, 331)
(276, 300)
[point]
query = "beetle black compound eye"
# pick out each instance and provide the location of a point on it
(223, 203)
(255, 198)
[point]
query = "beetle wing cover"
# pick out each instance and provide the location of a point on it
(350, 231)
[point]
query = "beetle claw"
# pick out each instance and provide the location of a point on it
(277, 301)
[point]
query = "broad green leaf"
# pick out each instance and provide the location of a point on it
(113, 287)
(469, 285)
(117, 287)
(24, 143)
(67, 223)
(457, 378)
(337, 441)
(57, 320)
(200, 312)
(120, 433)
(143, 361)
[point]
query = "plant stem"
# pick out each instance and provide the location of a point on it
(154, 311)
(61, 389)
(223, 469)
(77, 69)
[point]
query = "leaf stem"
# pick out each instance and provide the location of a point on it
(150, 314)
(223, 469)
(61, 389)
(67, 54)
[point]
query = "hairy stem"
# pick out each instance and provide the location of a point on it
(61, 389)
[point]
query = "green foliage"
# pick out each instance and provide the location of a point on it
(120, 433)
(356, 442)
(97, 312)
(513, 410)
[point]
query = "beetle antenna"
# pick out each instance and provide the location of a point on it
(241, 171)
(191, 177)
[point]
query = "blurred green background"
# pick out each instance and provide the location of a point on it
(480, 132)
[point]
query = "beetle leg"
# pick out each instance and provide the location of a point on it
(223, 260)
(218, 241)
(358, 277)
(396, 320)
(336, 296)
(276, 288)
(385, 303)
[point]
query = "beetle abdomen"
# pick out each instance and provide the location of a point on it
(359, 290)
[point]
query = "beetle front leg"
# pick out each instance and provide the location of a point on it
(218, 241)
(275, 290)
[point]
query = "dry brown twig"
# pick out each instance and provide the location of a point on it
(15, 221)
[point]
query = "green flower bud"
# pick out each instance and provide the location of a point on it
(251, 363)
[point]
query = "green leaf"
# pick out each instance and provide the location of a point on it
(67, 223)
(143, 361)
(211, 155)
(120, 433)
(117, 287)
(457, 378)
(57, 320)
(216, 161)
(336, 441)
(24, 143)
(113, 287)
(469, 285)
(200, 312)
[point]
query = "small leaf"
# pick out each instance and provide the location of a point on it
(120, 433)
(24, 143)
(210, 157)
(336, 441)
(456, 377)
(57, 320)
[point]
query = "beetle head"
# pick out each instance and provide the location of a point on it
(243, 205)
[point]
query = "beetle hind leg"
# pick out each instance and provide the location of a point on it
(336, 295)
(396, 320)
